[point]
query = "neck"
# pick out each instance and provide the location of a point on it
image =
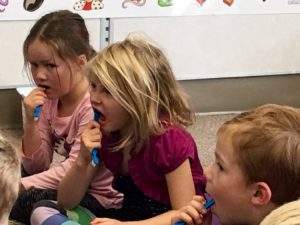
(262, 212)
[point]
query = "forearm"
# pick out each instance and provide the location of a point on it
(75, 184)
(31, 139)
(163, 219)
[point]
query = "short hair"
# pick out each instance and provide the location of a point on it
(266, 141)
(10, 176)
(139, 76)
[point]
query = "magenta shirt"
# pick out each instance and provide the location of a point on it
(163, 155)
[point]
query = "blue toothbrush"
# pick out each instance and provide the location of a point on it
(96, 159)
(209, 203)
(37, 112)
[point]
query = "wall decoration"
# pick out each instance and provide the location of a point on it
(88, 5)
(3, 3)
(135, 2)
(32, 5)
(34, 9)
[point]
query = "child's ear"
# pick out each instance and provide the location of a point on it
(82, 60)
(262, 194)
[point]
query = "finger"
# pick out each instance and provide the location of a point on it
(99, 220)
(92, 124)
(198, 204)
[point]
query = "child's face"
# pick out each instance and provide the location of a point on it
(227, 186)
(48, 70)
(114, 116)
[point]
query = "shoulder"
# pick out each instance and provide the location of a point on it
(174, 136)
(171, 148)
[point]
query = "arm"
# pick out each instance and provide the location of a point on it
(180, 185)
(40, 161)
(49, 178)
(31, 138)
(82, 171)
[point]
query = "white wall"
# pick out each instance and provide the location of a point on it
(210, 46)
(223, 45)
(12, 35)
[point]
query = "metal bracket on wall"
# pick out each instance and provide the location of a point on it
(106, 34)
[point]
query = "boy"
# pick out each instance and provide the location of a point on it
(256, 170)
(9, 179)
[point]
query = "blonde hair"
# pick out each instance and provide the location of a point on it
(10, 176)
(139, 76)
(287, 214)
(267, 145)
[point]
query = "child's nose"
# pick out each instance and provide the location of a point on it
(96, 98)
(207, 172)
(40, 74)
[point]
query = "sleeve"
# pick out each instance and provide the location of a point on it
(43, 156)
(50, 178)
(173, 148)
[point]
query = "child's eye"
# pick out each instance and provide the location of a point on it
(92, 86)
(220, 166)
(106, 91)
(33, 65)
(51, 65)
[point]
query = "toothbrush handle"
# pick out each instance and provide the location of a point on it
(180, 223)
(96, 160)
(37, 112)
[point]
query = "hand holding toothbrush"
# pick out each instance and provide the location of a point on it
(33, 103)
(194, 213)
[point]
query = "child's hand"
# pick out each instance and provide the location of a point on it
(90, 139)
(35, 98)
(105, 221)
(191, 214)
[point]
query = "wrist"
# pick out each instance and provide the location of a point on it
(82, 162)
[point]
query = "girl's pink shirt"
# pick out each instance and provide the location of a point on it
(63, 135)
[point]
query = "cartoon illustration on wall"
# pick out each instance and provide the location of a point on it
(88, 5)
(228, 2)
(32, 5)
(135, 2)
(161, 3)
(201, 2)
(164, 3)
(3, 3)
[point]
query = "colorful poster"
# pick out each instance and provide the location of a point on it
(33, 9)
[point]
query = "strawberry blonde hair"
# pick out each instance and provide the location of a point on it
(266, 141)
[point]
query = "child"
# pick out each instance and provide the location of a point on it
(55, 52)
(9, 179)
(141, 136)
(257, 167)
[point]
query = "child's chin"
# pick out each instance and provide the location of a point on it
(105, 131)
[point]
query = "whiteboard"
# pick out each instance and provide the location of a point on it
(199, 47)
(12, 36)
(221, 46)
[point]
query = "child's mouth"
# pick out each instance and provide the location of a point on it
(99, 116)
(44, 86)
